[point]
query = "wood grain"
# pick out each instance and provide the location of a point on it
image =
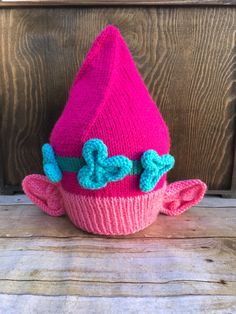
(92, 288)
(207, 201)
(116, 2)
(185, 55)
(182, 264)
(81, 305)
(144, 261)
(29, 221)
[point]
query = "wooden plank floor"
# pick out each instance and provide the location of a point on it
(184, 264)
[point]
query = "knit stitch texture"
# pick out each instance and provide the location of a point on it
(121, 192)
(109, 100)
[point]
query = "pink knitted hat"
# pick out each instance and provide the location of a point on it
(108, 157)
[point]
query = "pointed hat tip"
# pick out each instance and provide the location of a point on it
(111, 29)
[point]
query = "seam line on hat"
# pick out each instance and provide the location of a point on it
(106, 93)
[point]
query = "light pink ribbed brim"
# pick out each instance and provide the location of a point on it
(113, 215)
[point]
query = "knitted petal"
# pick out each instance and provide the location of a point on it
(99, 169)
(50, 166)
(154, 168)
(117, 167)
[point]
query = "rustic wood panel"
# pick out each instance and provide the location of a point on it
(207, 201)
(147, 262)
(56, 270)
(185, 55)
(81, 305)
(11, 3)
(116, 289)
(29, 221)
(100, 259)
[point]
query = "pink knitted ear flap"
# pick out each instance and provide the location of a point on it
(182, 195)
(44, 194)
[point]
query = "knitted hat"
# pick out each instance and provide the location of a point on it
(108, 157)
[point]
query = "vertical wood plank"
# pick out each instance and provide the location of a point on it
(185, 55)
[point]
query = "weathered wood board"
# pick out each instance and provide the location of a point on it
(5, 3)
(186, 57)
(150, 267)
(28, 221)
(97, 305)
(184, 264)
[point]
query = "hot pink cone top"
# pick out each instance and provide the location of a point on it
(111, 149)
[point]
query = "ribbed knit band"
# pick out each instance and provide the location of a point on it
(113, 215)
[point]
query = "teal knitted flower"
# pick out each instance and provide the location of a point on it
(154, 168)
(95, 169)
(50, 166)
(101, 169)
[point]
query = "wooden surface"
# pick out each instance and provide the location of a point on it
(185, 55)
(210, 201)
(184, 264)
(116, 2)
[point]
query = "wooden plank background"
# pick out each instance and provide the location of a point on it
(185, 55)
(117, 2)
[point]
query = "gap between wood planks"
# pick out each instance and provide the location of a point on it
(208, 201)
